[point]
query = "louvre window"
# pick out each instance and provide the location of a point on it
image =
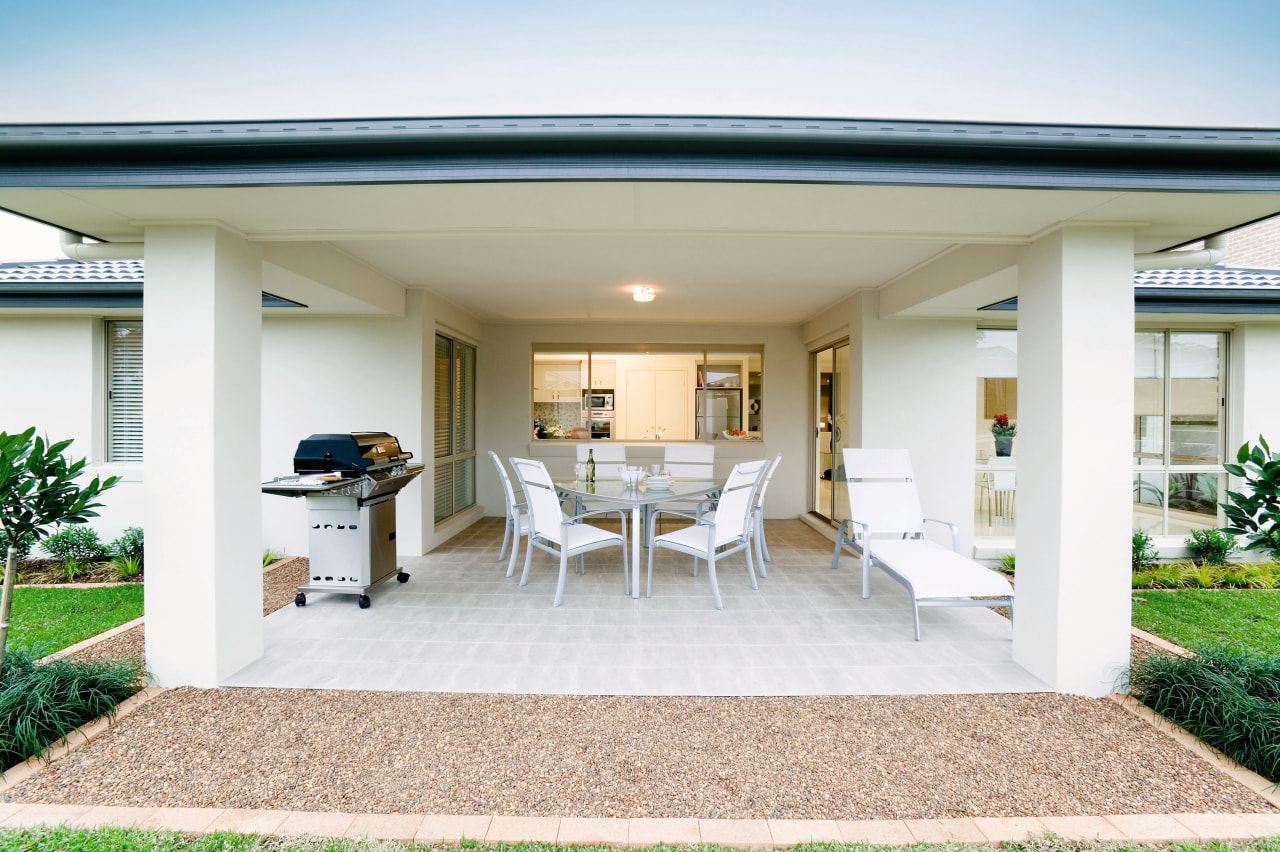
(455, 438)
(124, 391)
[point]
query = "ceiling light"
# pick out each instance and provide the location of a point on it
(642, 294)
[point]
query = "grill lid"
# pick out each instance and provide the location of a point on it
(358, 452)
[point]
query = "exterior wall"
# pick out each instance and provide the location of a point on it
(342, 374)
(53, 380)
(911, 385)
(1255, 404)
(505, 398)
(1257, 246)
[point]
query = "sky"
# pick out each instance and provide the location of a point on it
(1152, 62)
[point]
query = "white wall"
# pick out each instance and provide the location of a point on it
(1255, 386)
(53, 380)
(505, 400)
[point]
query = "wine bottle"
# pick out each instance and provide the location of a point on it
(591, 466)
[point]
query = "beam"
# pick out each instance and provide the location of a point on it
(338, 271)
(944, 274)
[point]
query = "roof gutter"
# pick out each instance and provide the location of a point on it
(74, 247)
(1213, 253)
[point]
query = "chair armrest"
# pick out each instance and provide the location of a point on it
(955, 532)
(621, 510)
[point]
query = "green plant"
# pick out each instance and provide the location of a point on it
(128, 544)
(126, 567)
(71, 570)
(1211, 546)
(1229, 698)
(1002, 428)
(1254, 510)
(1004, 564)
(22, 545)
(1144, 552)
(269, 556)
(42, 702)
(37, 491)
(49, 618)
(75, 543)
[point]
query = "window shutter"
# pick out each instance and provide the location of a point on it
(444, 372)
(465, 386)
(124, 392)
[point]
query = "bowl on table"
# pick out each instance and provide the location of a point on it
(659, 482)
(632, 476)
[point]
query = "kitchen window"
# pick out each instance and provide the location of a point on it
(455, 427)
(124, 391)
(647, 393)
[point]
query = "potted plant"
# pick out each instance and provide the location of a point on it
(1003, 431)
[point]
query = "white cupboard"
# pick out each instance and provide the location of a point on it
(657, 399)
(557, 381)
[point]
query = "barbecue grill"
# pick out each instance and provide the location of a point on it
(350, 482)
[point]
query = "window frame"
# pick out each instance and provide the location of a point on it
(111, 452)
(458, 459)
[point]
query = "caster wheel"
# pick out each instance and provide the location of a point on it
(402, 577)
(300, 600)
(364, 601)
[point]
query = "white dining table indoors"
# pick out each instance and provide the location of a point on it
(636, 498)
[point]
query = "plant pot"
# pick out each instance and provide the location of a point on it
(1004, 446)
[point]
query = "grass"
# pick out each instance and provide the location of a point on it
(42, 703)
(49, 619)
(1230, 575)
(59, 839)
(1227, 697)
(1193, 617)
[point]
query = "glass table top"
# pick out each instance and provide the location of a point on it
(616, 491)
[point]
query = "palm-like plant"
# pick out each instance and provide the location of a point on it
(38, 491)
(1254, 510)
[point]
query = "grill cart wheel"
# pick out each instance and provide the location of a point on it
(364, 601)
(300, 600)
(402, 577)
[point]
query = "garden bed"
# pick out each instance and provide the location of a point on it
(50, 572)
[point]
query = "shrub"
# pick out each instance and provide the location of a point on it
(1254, 510)
(41, 703)
(71, 570)
(77, 542)
(1004, 564)
(1228, 698)
(1211, 546)
(126, 567)
(269, 556)
(1144, 552)
(23, 546)
(128, 544)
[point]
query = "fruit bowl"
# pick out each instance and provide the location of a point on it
(745, 436)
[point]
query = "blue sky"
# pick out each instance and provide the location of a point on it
(1124, 61)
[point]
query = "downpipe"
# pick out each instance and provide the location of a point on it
(74, 247)
(1213, 253)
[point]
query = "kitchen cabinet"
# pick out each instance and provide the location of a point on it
(604, 375)
(557, 381)
(657, 399)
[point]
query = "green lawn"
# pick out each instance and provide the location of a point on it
(1190, 617)
(49, 618)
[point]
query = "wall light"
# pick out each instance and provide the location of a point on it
(642, 294)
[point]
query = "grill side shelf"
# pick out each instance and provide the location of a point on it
(300, 486)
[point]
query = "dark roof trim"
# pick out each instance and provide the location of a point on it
(84, 297)
(1188, 300)
(716, 148)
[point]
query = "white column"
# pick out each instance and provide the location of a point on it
(1075, 425)
(202, 434)
(1255, 405)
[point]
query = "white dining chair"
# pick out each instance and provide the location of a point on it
(611, 459)
(727, 533)
(554, 532)
(757, 520)
(517, 517)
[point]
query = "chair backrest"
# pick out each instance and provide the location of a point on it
(882, 490)
(506, 485)
(764, 483)
(690, 461)
(611, 459)
(1003, 480)
(733, 511)
(545, 513)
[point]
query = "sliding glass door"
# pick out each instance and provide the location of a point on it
(830, 430)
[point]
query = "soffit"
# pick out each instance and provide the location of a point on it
(740, 252)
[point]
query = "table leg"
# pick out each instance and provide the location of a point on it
(636, 533)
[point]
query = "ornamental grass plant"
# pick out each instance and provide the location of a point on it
(1227, 697)
(40, 703)
(1231, 575)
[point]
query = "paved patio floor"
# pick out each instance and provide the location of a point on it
(460, 625)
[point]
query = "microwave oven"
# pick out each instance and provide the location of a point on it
(595, 400)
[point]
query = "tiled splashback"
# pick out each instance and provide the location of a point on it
(566, 415)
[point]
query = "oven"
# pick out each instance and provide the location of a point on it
(597, 400)
(601, 427)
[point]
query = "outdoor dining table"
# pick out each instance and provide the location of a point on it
(639, 499)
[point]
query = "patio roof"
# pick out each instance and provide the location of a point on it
(1204, 290)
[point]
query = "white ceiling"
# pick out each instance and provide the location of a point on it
(750, 253)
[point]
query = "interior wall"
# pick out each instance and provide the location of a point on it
(505, 397)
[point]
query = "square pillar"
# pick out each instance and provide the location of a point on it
(1075, 437)
(202, 439)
